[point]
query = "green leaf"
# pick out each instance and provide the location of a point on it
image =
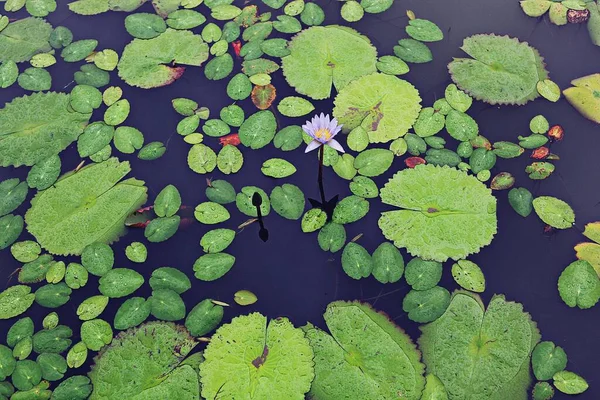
(350, 209)
(52, 340)
(221, 192)
(219, 67)
(7, 362)
(549, 90)
(461, 126)
(53, 295)
(332, 237)
(203, 318)
(9, 73)
(244, 203)
(376, 6)
(424, 30)
(26, 375)
(225, 12)
(429, 122)
(97, 258)
(27, 121)
(67, 227)
(60, 37)
(249, 342)
(364, 187)
(483, 340)
(278, 168)
(230, 159)
(53, 366)
(543, 390)
(413, 51)
(385, 106)
(535, 8)
(15, 301)
(258, 130)
(288, 201)
(434, 389)
(24, 38)
(425, 306)
(217, 240)
(356, 261)
(502, 70)
(95, 137)
(166, 305)
(76, 276)
(435, 222)
(11, 227)
(570, 383)
(185, 19)
(377, 361)
(170, 278)
(583, 96)
(132, 312)
(25, 251)
(141, 354)
(85, 99)
(422, 274)
(547, 359)
(146, 63)
(293, 106)
(373, 162)
(117, 113)
(76, 387)
(210, 267)
(145, 25)
(352, 11)
(161, 229)
(79, 50)
(35, 271)
(167, 202)
(12, 194)
(136, 252)
(322, 57)
(554, 212)
(91, 75)
(77, 355)
(239, 87)
(579, 285)
(313, 220)
(20, 330)
(388, 264)
(344, 167)
(287, 24)
(468, 275)
(92, 307)
(521, 200)
(120, 282)
(127, 139)
(35, 79)
(201, 159)
(211, 213)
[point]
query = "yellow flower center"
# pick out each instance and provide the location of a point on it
(323, 134)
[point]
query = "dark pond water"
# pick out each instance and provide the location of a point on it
(290, 274)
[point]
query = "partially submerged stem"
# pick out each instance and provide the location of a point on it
(320, 179)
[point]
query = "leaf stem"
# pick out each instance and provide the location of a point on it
(320, 179)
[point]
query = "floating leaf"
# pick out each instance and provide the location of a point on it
(217, 240)
(120, 282)
(52, 340)
(78, 50)
(385, 106)
(211, 213)
(435, 222)
(230, 159)
(382, 361)
(422, 274)
(424, 30)
(39, 116)
(350, 209)
(579, 285)
(332, 237)
(502, 70)
(77, 355)
(221, 192)
(547, 359)
(15, 301)
(584, 96)
(293, 106)
(468, 275)
(201, 159)
(244, 202)
(167, 202)
(288, 201)
(325, 56)
(548, 90)
(356, 261)
(26, 375)
(373, 162)
(24, 38)
(554, 212)
(97, 258)
(50, 219)
(145, 25)
(146, 361)
(12, 194)
(204, 317)
(167, 305)
(500, 333)
(245, 297)
(258, 130)
(35, 79)
(146, 62)
(425, 306)
(388, 264)
(25, 251)
(313, 220)
(278, 168)
(132, 312)
(570, 383)
(249, 343)
(413, 51)
(210, 267)
(127, 139)
(521, 200)
(53, 295)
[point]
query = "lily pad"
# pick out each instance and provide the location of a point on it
(554, 212)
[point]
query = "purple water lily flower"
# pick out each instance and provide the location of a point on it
(323, 131)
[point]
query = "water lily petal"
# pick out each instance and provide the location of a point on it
(336, 145)
(315, 144)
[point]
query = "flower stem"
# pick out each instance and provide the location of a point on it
(321, 188)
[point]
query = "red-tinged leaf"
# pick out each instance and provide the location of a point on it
(232, 139)
(556, 133)
(412, 162)
(263, 96)
(237, 46)
(540, 153)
